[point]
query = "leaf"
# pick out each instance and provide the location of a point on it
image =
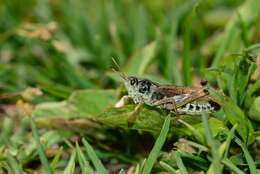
(147, 119)
(157, 147)
(77, 113)
(92, 102)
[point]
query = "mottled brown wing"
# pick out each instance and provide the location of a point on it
(170, 90)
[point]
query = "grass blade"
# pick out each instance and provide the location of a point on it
(84, 164)
(215, 166)
(248, 11)
(168, 167)
(122, 171)
(231, 166)
(71, 165)
(187, 51)
(16, 168)
(40, 148)
(249, 159)
(157, 147)
(180, 164)
(92, 155)
(56, 159)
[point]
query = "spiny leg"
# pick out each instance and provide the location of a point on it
(132, 116)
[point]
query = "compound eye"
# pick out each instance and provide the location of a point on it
(145, 86)
(133, 81)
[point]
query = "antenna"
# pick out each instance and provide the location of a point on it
(119, 69)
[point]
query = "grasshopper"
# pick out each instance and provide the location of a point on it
(178, 99)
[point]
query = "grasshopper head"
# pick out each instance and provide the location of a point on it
(139, 89)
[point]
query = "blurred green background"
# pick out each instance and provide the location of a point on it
(59, 46)
(50, 49)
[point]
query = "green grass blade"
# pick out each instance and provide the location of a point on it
(122, 171)
(56, 159)
(40, 148)
(168, 167)
(187, 67)
(84, 164)
(226, 144)
(249, 159)
(16, 168)
(180, 164)
(71, 165)
(92, 155)
(157, 147)
(231, 166)
(215, 166)
(248, 11)
(6, 131)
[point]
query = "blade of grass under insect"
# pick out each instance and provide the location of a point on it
(249, 159)
(56, 159)
(40, 148)
(84, 164)
(167, 167)
(215, 166)
(180, 164)
(71, 165)
(157, 146)
(231, 166)
(16, 168)
(92, 155)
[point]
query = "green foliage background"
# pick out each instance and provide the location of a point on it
(57, 89)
